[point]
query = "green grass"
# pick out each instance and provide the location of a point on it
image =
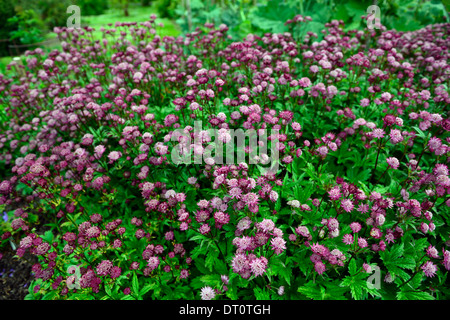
(4, 61)
(137, 13)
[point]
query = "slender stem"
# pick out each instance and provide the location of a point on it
(381, 176)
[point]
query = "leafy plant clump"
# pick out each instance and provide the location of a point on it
(353, 205)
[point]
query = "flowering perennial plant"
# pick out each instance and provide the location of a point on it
(362, 136)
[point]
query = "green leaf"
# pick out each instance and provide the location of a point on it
(82, 296)
(261, 294)
(318, 292)
(135, 284)
(341, 13)
(414, 295)
(211, 258)
(29, 296)
(356, 286)
(271, 17)
(220, 267)
(420, 133)
(108, 290)
(212, 280)
(147, 288)
(50, 295)
(420, 244)
(167, 291)
(395, 252)
(416, 280)
(352, 267)
(396, 271)
(405, 263)
(48, 236)
(312, 292)
(201, 266)
(355, 8)
(281, 269)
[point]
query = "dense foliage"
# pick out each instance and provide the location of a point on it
(250, 16)
(358, 208)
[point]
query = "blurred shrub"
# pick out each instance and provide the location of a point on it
(30, 27)
(166, 8)
(245, 16)
(6, 11)
(92, 7)
(54, 12)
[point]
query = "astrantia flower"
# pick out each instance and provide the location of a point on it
(153, 263)
(93, 232)
(235, 193)
(207, 293)
(104, 267)
(335, 193)
(115, 272)
(294, 203)
(204, 228)
(240, 263)
(26, 242)
(42, 249)
(266, 225)
(258, 266)
(322, 151)
(363, 208)
(424, 227)
(318, 248)
(434, 143)
(273, 196)
(375, 233)
(114, 156)
(364, 102)
(347, 205)
(441, 170)
(303, 231)
(367, 268)
(319, 266)
(393, 162)
(396, 136)
(355, 226)
(347, 239)
(432, 252)
(244, 224)
(278, 245)
(250, 198)
(446, 261)
(332, 224)
(378, 133)
(429, 269)
(362, 243)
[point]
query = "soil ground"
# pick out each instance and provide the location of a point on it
(15, 277)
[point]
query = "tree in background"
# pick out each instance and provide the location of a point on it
(123, 5)
(6, 11)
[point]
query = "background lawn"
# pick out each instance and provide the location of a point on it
(137, 13)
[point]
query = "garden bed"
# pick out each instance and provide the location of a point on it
(277, 167)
